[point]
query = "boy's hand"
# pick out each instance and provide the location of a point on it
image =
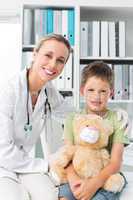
(75, 183)
(122, 116)
(87, 188)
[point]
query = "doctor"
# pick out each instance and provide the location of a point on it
(25, 103)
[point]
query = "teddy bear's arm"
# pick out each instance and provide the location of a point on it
(61, 160)
(65, 155)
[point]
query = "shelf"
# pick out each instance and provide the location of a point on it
(28, 48)
(110, 60)
(114, 101)
(121, 101)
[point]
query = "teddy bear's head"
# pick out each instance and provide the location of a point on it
(91, 130)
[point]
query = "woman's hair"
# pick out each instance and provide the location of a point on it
(98, 69)
(56, 37)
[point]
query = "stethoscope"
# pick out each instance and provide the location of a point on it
(47, 106)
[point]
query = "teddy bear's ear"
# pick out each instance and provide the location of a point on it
(108, 127)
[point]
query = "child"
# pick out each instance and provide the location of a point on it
(96, 88)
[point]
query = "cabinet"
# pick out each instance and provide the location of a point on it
(98, 11)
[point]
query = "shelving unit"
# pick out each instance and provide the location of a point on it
(92, 11)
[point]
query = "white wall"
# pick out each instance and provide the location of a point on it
(10, 50)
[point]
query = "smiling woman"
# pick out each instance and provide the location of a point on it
(23, 117)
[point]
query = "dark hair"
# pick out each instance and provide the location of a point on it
(100, 70)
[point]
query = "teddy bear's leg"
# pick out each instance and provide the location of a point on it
(115, 183)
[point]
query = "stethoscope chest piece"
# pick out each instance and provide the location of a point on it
(28, 127)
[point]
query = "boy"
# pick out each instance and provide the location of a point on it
(96, 88)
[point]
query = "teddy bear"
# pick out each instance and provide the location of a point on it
(88, 154)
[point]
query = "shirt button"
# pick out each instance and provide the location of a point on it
(21, 147)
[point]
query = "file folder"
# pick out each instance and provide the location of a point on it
(49, 20)
(71, 26)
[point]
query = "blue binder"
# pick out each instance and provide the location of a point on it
(49, 20)
(71, 26)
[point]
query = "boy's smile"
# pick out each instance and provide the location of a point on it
(97, 93)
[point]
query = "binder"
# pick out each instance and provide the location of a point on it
(95, 38)
(122, 38)
(112, 41)
(131, 82)
(44, 22)
(80, 71)
(71, 26)
(40, 27)
(69, 73)
(104, 38)
(57, 19)
(49, 20)
(60, 81)
(125, 82)
(26, 59)
(28, 27)
(84, 38)
(65, 23)
(37, 24)
(118, 79)
(117, 38)
(90, 38)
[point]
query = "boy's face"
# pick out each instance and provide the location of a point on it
(97, 93)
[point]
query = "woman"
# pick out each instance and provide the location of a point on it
(25, 104)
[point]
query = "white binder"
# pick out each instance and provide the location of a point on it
(125, 82)
(65, 23)
(104, 38)
(60, 81)
(69, 73)
(28, 27)
(57, 25)
(118, 82)
(27, 58)
(112, 41)
(84, 36)
(95, 38)
(122, 39)
(131, 82)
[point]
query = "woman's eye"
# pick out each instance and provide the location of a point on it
(90, 90)
(47, 55)
(61, 61)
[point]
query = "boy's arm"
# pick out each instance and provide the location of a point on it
(89, 187)
(115, 162)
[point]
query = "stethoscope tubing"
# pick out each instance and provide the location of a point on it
(47, 106)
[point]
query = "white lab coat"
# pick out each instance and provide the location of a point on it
(15, 143)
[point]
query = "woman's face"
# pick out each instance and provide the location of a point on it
(49, 61)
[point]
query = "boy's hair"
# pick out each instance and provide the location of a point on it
(98, 69)
(56, 37)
